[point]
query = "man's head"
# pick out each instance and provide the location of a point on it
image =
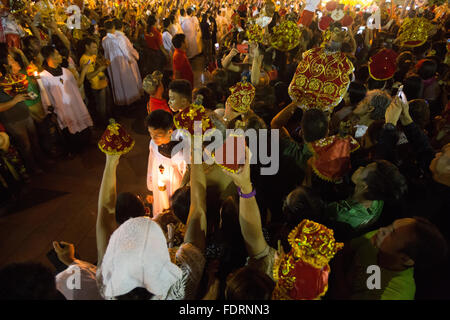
(110, 26)
(314, 125)
(411, 242)
(160, 126)
(51, 56)
(373, 106)
(189, 11)
(301, 204)
(182, 12)
(90, 47)
(179, 41)
(380, 180)
(440, 166)
(118, 25)
(166, 23)
(180, 95)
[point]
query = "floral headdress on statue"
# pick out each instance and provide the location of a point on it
(115, 140)
(302, 274)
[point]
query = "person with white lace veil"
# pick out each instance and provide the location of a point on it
(136, 262)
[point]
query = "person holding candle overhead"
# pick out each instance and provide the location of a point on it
(165, 171)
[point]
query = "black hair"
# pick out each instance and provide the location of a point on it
(138, 293)
(181, 202)
(118, 24)
(362, 74)
(189, 11)
(182, 87)
(178, 40)
(356, 92)
(209, 101)
(47, 51)
(3, 58)
(301, 204)
(427, 69)
(182, 12)
(28, 281)
(373, 84)
(314, 125)
(420, 112)
(151, 20)
(413, 87)
(128, 205)
(385, 182)
(109, 24)
(248, 283)
(428, 247)
(160, 119)
(166, 22)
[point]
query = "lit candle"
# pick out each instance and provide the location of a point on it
(164, 196)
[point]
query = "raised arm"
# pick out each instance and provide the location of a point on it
(106, 206)
(249, 215)
(282, 118)
(196, 223)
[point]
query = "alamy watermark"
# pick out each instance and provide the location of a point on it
(264, 146)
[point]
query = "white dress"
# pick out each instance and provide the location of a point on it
(126, 81)
(64, 95)
(167, 171)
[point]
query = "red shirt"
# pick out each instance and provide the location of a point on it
(182, 65)
(156, 104)
(154, 39)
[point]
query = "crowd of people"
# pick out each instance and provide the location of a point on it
(362, 115)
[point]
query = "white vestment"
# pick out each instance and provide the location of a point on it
(63, 94)
(163, 170)
(190, 30)
(126, 81)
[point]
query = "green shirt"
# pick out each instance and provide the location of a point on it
(395, 285)
(295, 152)
(355, 214)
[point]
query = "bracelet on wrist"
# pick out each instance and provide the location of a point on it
(246, 195)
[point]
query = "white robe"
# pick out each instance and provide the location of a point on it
(64, 95)
(190, 30)
(174, 170)
(126, 81)
(134, 65)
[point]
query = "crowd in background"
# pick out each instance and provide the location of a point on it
(217, 241)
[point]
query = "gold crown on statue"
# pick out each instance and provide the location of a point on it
(314, 243)
(242, 95)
